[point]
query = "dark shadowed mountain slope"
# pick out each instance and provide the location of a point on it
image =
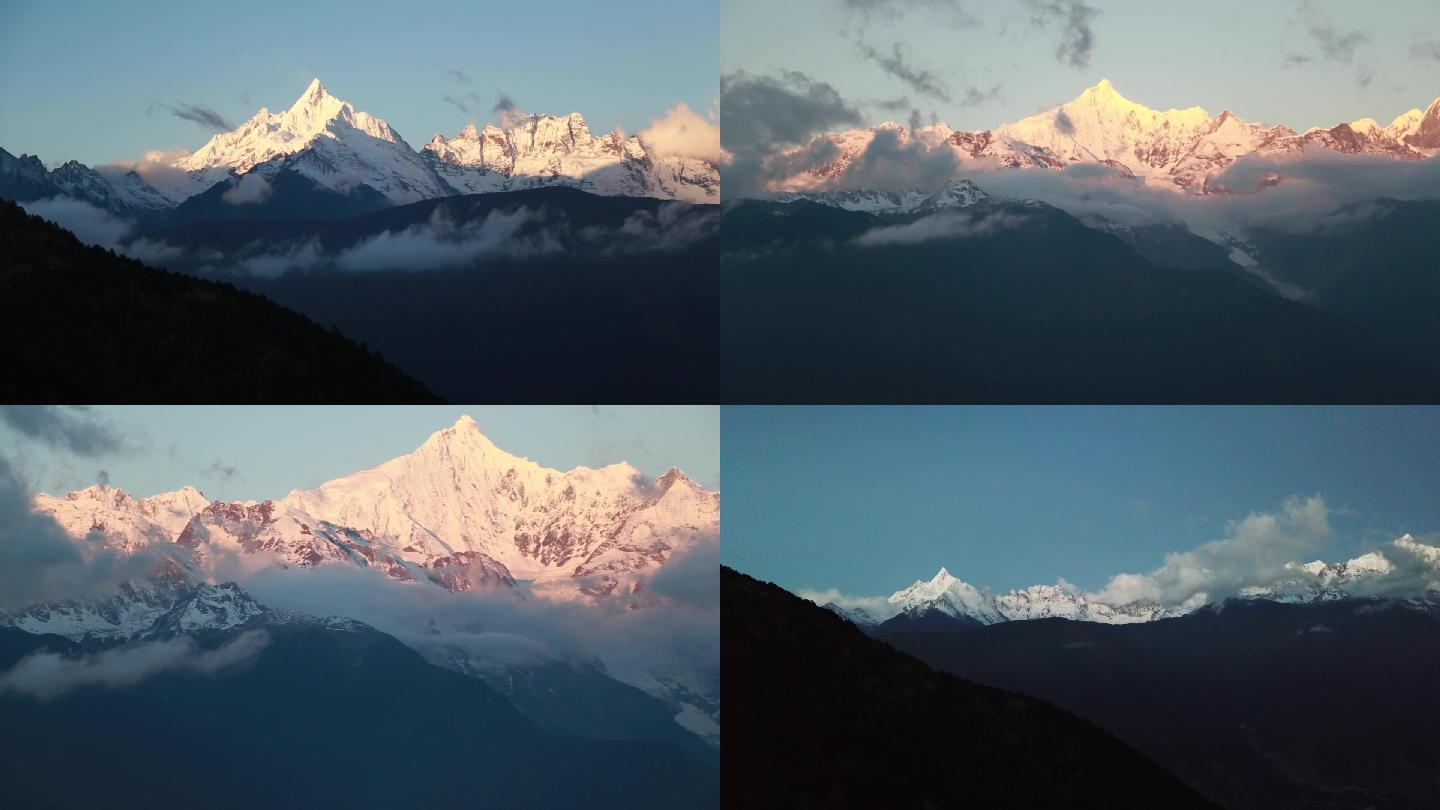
(828, 717)
(1377, 264)
(81, 324)
(573, 297)
(332, 716)
(1038, 308)
(1256, 704)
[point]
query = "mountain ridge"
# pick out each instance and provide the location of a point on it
(458, 512)
(1176, 149)
(1315, 581)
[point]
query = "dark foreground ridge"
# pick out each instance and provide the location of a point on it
(828, 717)
(1254, 703)
(82, 324)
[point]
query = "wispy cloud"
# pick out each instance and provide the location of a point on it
(224, 472)
(1424, 47)
(204, 116)
(1073, 19)
(924, 81)
(47, 675)
(75, 429)
(1334, 44)
(957, 225)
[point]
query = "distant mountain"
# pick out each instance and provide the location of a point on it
(1404, 567)
(535, 150)
(828, 717)
(320, 699)
(1255, 704)
(324, 159)
(1181, 150)
(1016, 301)
(324, 139)
(25, 179)
(458, 512)
(81, 324)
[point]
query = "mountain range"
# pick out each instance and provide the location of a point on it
(536, 236)
(965, 296)
(1252, 702)
(1181, 150)
(945, 602)
(458, 514)
(323, 144)
(828, 717)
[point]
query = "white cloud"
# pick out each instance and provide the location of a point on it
(946, 225)
(156, 167)
(251, 190)
(441, 242)
(682, 132)
(91, 225)
(152, 251)
(877, 606)
(1254, 552)
(46, 675)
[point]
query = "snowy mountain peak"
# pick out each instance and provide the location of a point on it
(1181, 150)
(465, 439)
(530, 149)
(315, 95)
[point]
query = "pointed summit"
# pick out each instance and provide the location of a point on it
(316, 104)
(1104, 94)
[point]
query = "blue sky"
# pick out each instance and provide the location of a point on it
(276, 449)
(867, 500)
(1216, 54)
(76, 78)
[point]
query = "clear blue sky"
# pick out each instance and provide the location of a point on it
(276, 449)
(76, 77)
(1216, 54)
(868, 500)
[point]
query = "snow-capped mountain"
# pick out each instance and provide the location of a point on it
(157, 610)
(324, 139)
(125, 522)
(960, 195)
(460, 493)
(26, 179)
(948, 595)
(1370, 574)
(1177, 149)
(458, 512)
(1418, 130)
(536, 150)
(328, 142)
